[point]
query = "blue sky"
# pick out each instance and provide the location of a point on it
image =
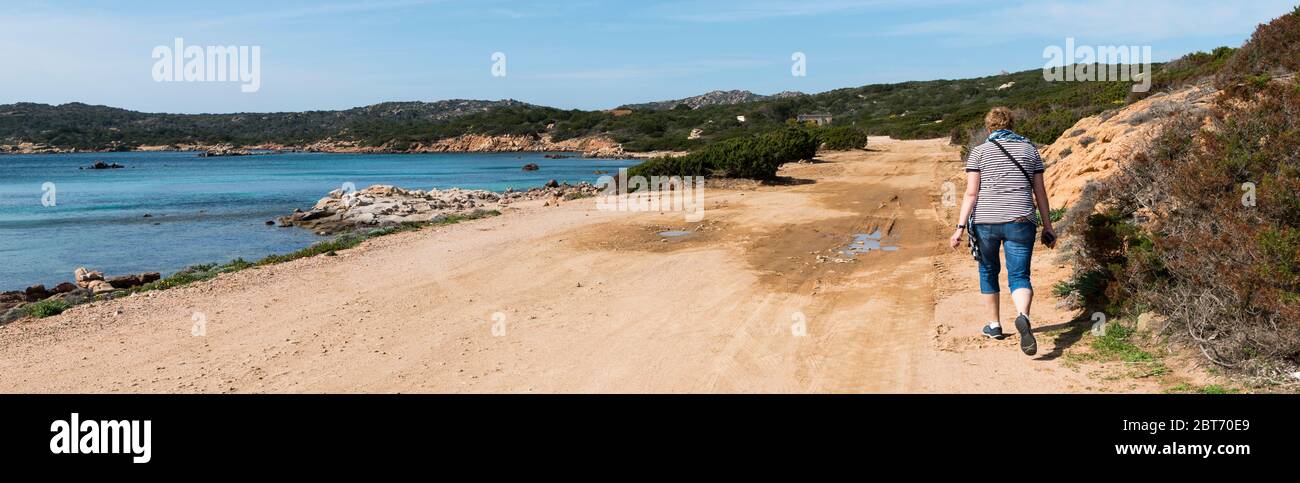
(331, 54)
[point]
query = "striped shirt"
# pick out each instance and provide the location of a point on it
(1005, 194)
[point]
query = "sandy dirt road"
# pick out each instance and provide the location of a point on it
(573, 299)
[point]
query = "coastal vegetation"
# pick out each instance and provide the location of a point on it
(753, 157)
(1202, 226)
(46, 308)
(843, 137)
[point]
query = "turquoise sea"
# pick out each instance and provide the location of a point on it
(204, 210)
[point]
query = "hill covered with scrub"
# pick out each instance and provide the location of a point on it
(908, 110)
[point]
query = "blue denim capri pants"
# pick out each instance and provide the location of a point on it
(1017, 238)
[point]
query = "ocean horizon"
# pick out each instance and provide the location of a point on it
(164, 211)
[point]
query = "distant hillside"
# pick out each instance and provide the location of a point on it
(714, 98)
(908, 110)
(84, 126)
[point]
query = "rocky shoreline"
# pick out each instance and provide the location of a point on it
(382, 206)
(378, 206)
(88, 285)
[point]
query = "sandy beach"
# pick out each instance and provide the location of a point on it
(569, 298)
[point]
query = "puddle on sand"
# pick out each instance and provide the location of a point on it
(866, 242)
(674, 233)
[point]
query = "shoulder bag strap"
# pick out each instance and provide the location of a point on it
(1028, 178)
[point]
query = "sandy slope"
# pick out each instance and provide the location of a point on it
(1096, 146)
(589, 301)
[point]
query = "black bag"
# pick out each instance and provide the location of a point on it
(1048, 239)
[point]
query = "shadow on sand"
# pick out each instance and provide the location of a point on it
(787, 181)
(1074, 330)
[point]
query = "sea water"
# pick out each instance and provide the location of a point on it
(206, 210)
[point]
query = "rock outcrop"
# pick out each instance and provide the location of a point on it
(223, 151)
(11, 299)
(713, 98)
(88, 284)
(384, 206)
(1096, 146)
(133, 280)
(591, 147)
(83, 277)
(100, 287)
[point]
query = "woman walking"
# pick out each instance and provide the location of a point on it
(1004, 178)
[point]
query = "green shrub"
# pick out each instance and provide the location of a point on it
(753, 157)
(46, 308)
(1273, 49)
(671, 166)
(843, 138)
(1187, 70)
(1058, 214)
(1180, 238)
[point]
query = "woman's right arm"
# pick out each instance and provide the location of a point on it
(967, 204)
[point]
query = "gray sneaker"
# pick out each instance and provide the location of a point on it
(993, 332)
(1028, 344)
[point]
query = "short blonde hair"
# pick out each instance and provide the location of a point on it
(999, 118)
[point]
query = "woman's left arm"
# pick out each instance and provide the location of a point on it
(1044, 205)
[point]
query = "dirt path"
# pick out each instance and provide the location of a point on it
(571, 299)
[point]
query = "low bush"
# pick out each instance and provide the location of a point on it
(671, 166)
(753, 157)
(1190, 69)
(842, 138)
(1203, 226)
(46, 308)
(1273, 50)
